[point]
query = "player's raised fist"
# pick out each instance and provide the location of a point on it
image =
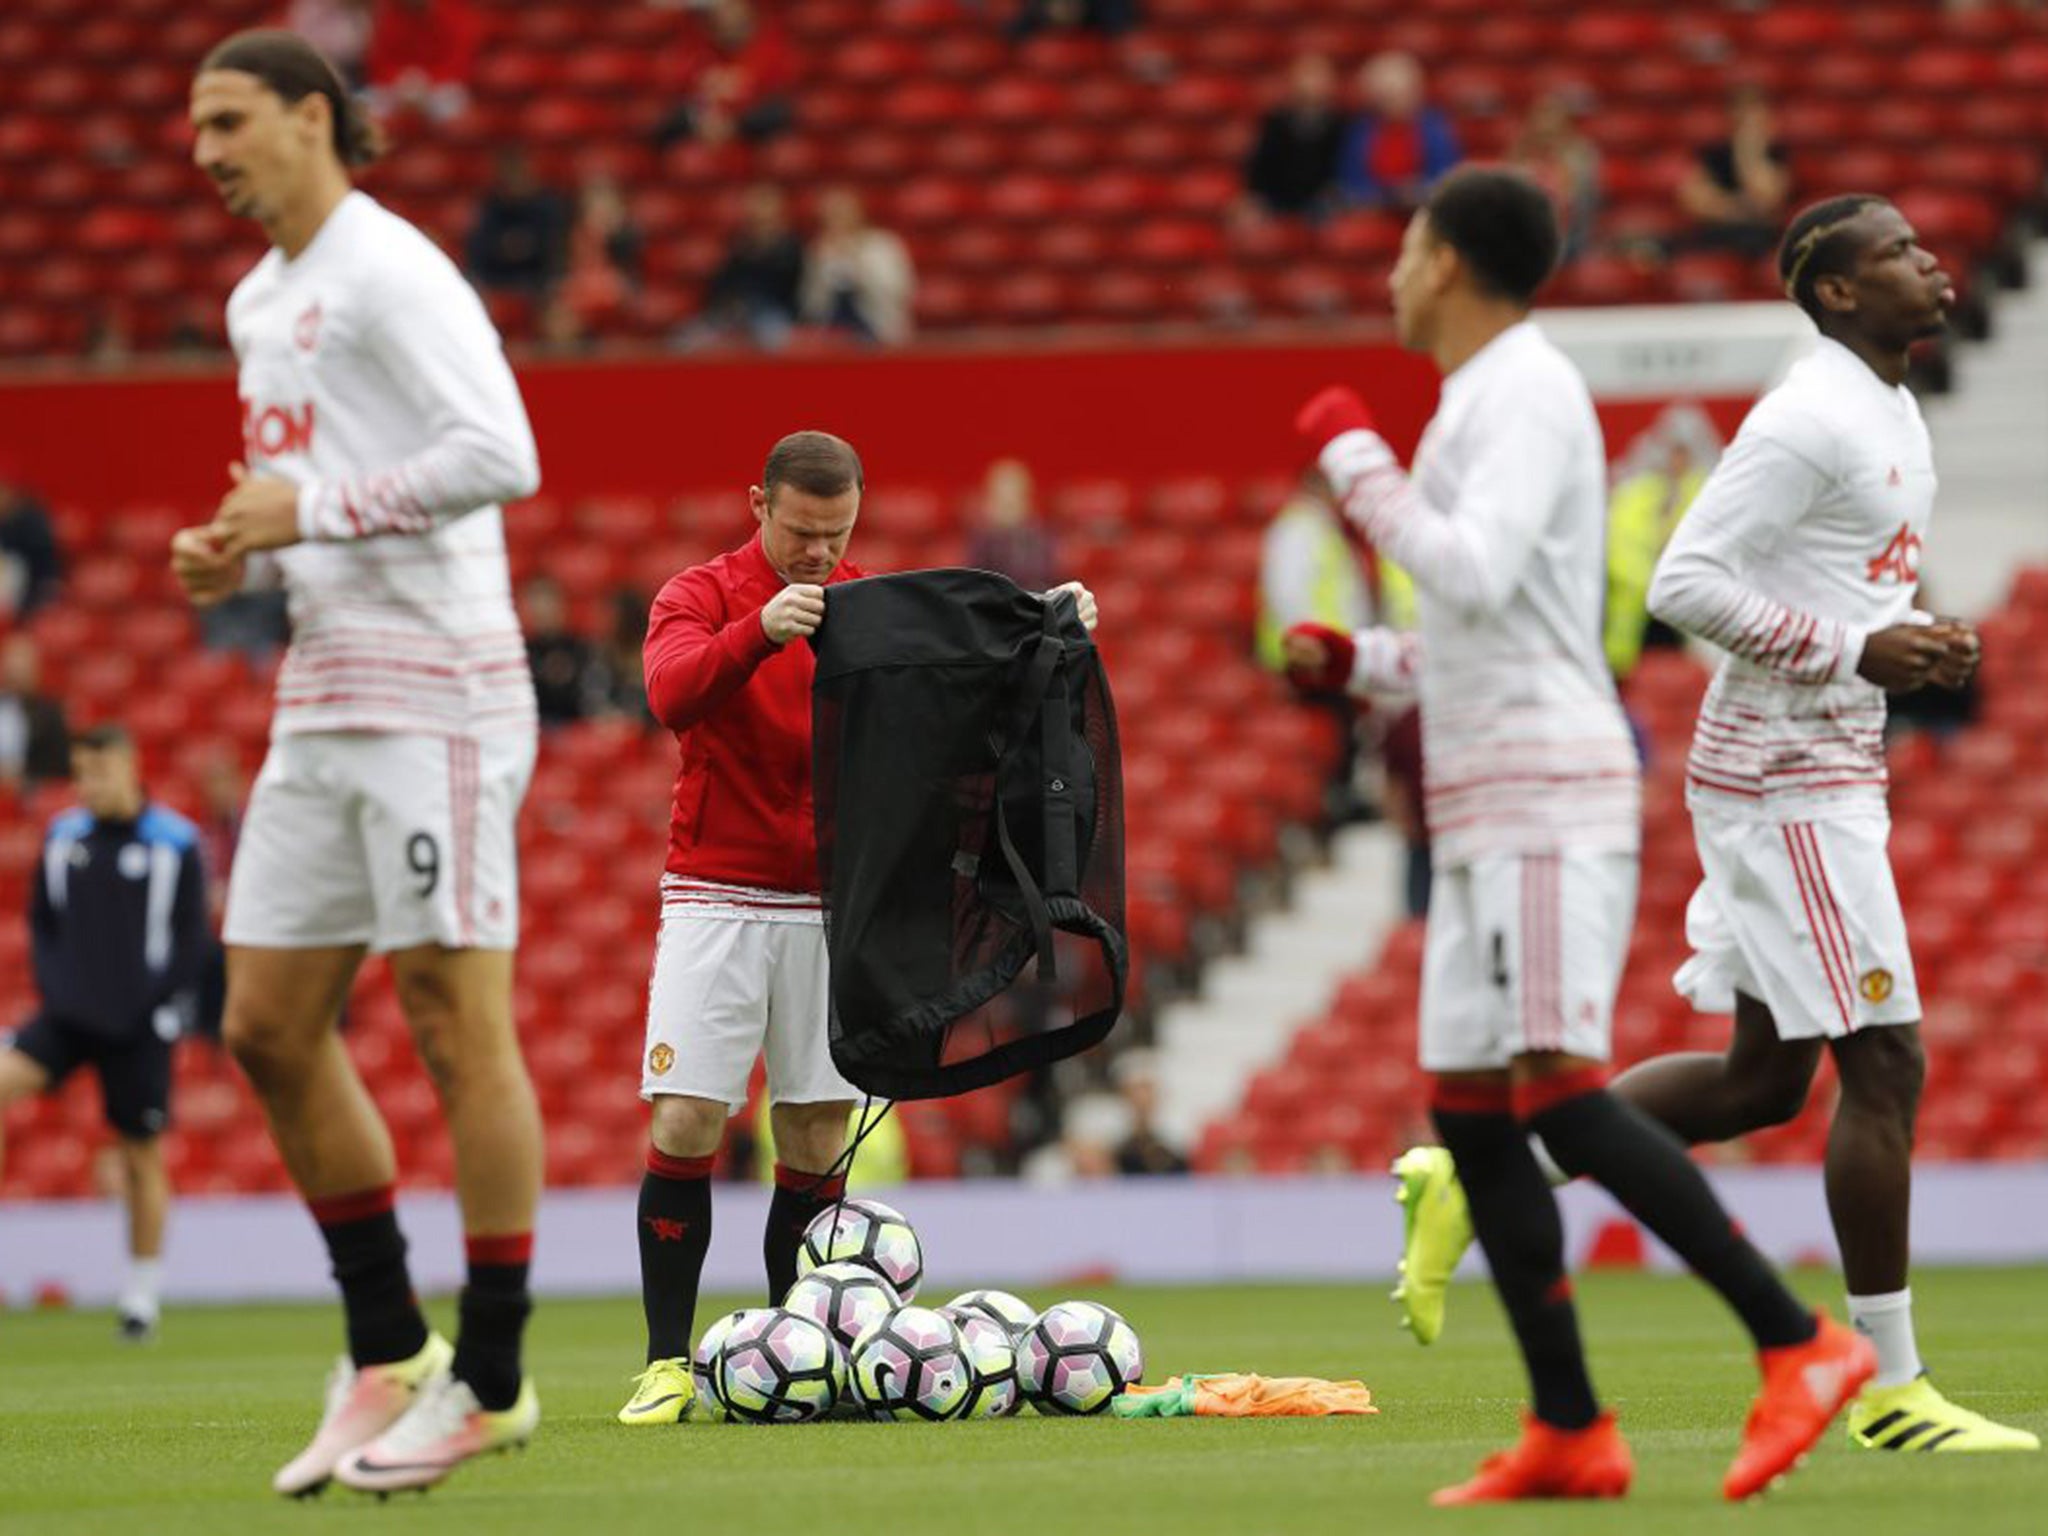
(1332, 412)
(1903, 657)
(794, 612)
(207, 573)
(1319, 659)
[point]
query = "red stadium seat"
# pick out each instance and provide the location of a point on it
(965, 56)
(1019, 102)
(1124, 296)
(1027, 198)
(2026, 64)
(1104, 99)
(1030, 298)
(933, 201)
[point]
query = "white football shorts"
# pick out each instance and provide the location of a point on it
(385, 839)
(1524, 953)
(1804, 917)
(729, 989)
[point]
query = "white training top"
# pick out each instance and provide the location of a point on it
(1503, 527)
(371, 377)
(1804, 540)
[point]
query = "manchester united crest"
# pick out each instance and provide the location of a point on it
(1875, 986)
(660, 1059)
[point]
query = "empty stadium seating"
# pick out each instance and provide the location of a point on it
(1073, 181)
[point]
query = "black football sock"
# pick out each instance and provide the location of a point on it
(1514, 1216)
(367, 1252)
(675, 1234)
(799, 1196)
(1595, 1135)
(494, 1309)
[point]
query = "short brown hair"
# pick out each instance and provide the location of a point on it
(816, 463)
(294, 69)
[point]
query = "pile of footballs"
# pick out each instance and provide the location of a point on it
(848, 1340)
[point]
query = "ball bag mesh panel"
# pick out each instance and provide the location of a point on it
(969, 802)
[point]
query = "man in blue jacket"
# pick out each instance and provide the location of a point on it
(1399, 145)
(117, 911)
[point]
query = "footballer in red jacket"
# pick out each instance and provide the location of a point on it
(740, 965)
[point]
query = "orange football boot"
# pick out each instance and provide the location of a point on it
(1550, 1463)
(1805, 1386)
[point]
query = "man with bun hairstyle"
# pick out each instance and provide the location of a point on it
(1800, 559)
(382, 430)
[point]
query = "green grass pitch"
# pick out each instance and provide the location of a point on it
(182, 1437)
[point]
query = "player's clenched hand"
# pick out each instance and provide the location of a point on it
(1965, 650)
(1330, 413)
(792, 613)
(1319, 659)
(207, 574)
(260, 512)
(1903, 657)
(1084, 602)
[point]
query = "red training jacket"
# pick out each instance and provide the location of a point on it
(741, 711)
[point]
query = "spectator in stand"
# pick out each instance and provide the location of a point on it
(1656, 478)
(1292, 169)
(621, 661)
(1563, 162)
(1143, 1150)
(755, 289)
(559, 331)
(565, 680)
(110, 338)
(857, 278)
(520, 236)
(35, 745)
(420, 58)
(736, 80)
(1092, 1127)
(31, 564)
(1400, 143)
(1736, 190)
(1112, 18)
(1311, 572)
(604, 254)
(339, 29)
(1009, 536)
(1308, 570)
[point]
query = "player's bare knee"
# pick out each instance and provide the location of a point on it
(1883, 1072)
(459, 1060)
(265, 1046)
(1774, 1098)
(810, 1137)
(686, 1127)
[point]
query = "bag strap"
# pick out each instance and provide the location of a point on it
(1033, 698)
